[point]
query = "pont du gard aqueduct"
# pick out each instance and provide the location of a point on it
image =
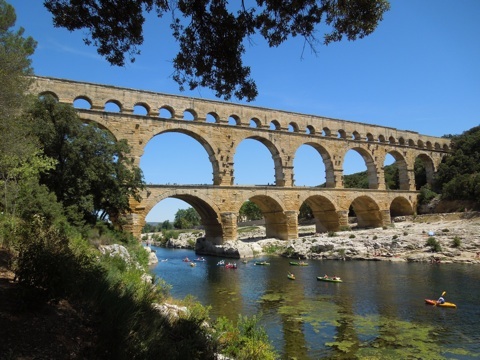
(220, 127)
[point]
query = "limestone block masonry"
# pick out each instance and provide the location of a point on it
(220, 127)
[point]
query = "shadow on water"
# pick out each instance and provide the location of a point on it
(377, 312)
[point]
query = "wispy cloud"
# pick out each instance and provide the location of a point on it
(56, 46)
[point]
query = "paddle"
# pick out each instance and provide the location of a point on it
(443, 294)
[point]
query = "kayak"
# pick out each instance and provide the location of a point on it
(329, 279)
(445, 304)
(291, 276)
(301, 263)
(261, 263)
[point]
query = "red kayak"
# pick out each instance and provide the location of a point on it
(445, 304)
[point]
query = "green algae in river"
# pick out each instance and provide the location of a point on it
(391, 339)
(371, 336)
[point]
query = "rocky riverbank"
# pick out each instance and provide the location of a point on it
(453, 237)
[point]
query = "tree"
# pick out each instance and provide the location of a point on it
(305, 212)
(15, 64)
(250, 211)
(420, 173)
(186, 219)
(21, 160)
(458, 176)
(392, 177)
(93, 177)
(167, 225)
(211, 33)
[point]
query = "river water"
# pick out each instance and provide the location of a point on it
(378, 312)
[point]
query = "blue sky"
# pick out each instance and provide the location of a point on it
(420, 70)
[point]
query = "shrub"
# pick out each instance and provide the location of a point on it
(375, 237)
(445, 230)
(456, 242)
(426, 195)
(434, 244)
(395, 237)
(332, 234)
(352, 236)
(273, 249)
(345, 228)
(246, 341)
(45, 263)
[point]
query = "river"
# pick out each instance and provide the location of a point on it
(378, 312)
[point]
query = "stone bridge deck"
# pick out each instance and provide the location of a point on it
(218, 207)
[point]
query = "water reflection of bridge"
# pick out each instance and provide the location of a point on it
(220, 127)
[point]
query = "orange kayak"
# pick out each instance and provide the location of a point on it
(445, 304)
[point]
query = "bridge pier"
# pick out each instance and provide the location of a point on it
(281, 225)
(229, 225)
(342, 219)
(328, 220)
(386, 218)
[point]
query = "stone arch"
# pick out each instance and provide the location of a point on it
(234, 120)
(411, 142)
(310, 130)
(205, 144)
(429, 145)
(48, 93)
(381, 138)
(400, 207)
(277, 160)
(356, 135)
(276, 221)
(370, 137)
(275, 125)
(324, 213)
(371, 166)
(420, 144)
(404, 182)
(327, 161)
(168, 109)
(429, 166)
(255, 123)
(401, 141)
(293, 127)
(342, 134)
(367, 212)
(102, 126)
(190, 114)
(212, 117)
(208, 211)
(83, 98)
(327, 132)
(392, 140)
(109, 104)
(137, 107)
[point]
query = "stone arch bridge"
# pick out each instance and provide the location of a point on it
(220, 127)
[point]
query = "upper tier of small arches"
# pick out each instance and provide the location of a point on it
(171, 107)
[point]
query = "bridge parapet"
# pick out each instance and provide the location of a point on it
(99, 95)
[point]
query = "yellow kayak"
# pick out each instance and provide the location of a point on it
(445, 304)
